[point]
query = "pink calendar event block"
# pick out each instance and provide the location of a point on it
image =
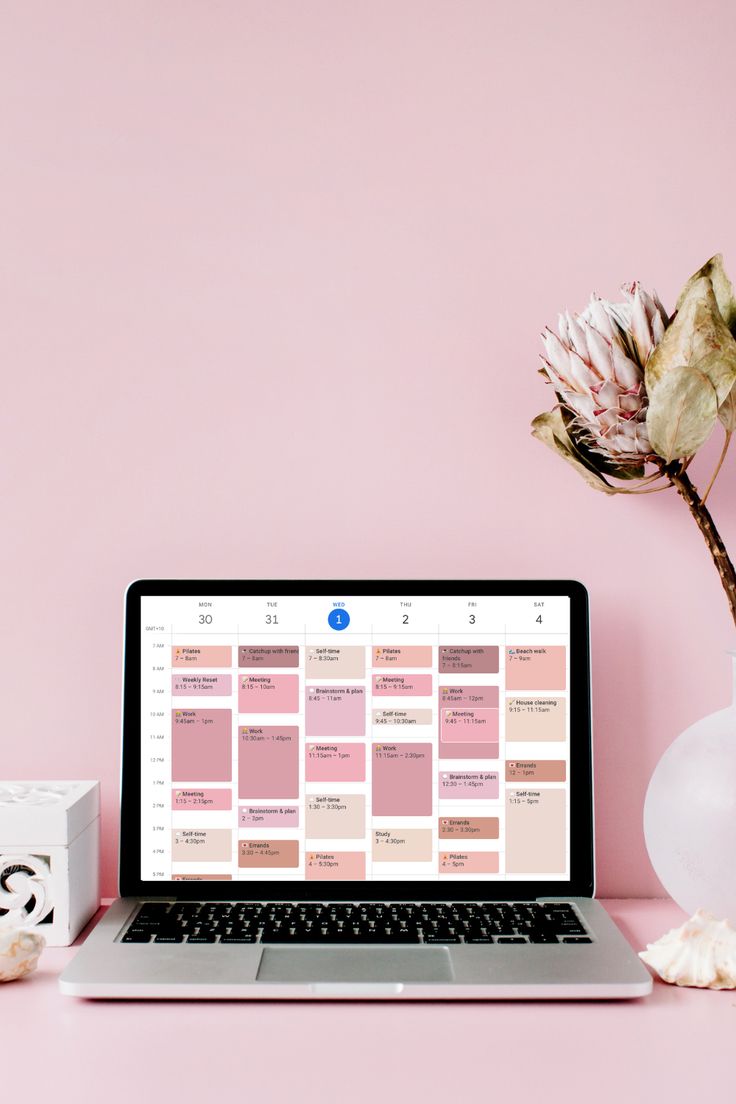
(468, 862)
(469, 660)
(464, 726)
(403, 655)
(334, 711)
(469, 726)
(201, 745)
(268, 816)
(539, 667)
(402, 779)
(268, 761)
(468, 785)
(402, 686)
(335, 763)
(268, 656)
(332, 865)
(200, 685)
(201, 655)
(473, 697)
(268, 694)
(209, 800)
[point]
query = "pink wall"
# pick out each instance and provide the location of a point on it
(322, 239)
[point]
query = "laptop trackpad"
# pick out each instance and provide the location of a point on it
(397, 964)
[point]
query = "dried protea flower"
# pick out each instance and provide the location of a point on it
(595, 362)
(635, 388)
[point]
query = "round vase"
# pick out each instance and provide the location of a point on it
(690, 815)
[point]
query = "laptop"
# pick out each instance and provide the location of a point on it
(359, 790)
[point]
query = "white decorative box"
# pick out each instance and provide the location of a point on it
(49, 857)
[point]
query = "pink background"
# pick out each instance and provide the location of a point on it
(262, 262)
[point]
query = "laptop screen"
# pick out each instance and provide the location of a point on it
(339, 737)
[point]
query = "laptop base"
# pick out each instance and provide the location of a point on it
(106, 968)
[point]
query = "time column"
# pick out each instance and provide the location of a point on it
(155, 751)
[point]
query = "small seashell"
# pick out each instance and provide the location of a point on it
(701, 953)
(19, 951)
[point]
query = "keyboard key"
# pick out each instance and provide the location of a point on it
(149, 907)
(576, 939)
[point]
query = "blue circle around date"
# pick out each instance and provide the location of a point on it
(338, 619)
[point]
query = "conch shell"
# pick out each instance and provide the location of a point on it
(701, 953)
(19, 951)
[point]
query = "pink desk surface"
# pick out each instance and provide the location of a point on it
(677, 1045)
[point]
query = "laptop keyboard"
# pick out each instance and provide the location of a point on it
(346, 923)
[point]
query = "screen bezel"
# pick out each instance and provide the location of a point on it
(581, 882)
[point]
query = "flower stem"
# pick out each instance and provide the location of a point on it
(712, 537)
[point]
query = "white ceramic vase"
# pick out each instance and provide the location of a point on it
(690, 815)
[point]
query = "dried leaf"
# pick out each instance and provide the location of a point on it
(682, 412)
(711, 366)
(698, 336)
(727, 411)
(722, 289)
(550, 429)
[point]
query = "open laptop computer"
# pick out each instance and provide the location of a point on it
(356, 790)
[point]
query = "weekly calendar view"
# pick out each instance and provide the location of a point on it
(355, 738)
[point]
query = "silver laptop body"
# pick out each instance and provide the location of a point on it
(356, 790)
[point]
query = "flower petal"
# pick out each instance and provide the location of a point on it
(600, 352)
(598, 315)
(640, 326)
(583, 405)
(558, 356)
(608, 395)
(581, 373)
(578, 339)
(626, 372)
